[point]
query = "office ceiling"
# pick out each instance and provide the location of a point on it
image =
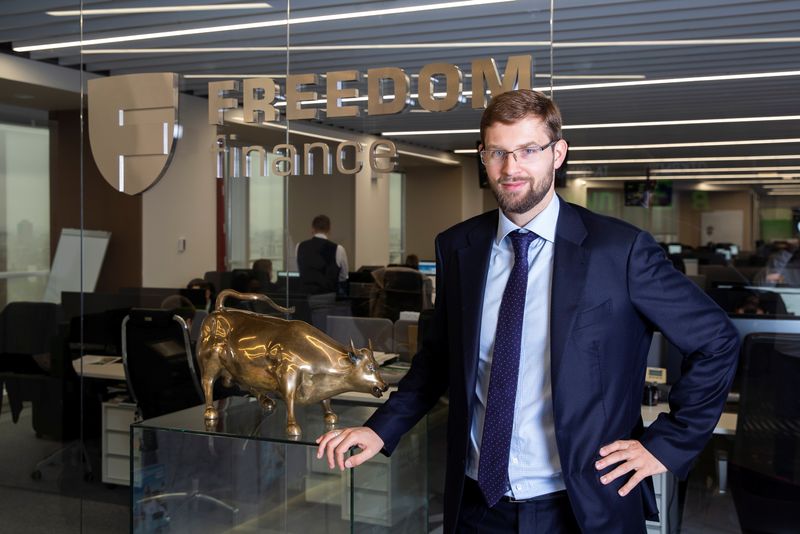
(622, 41)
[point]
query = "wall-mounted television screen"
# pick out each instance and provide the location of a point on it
(649, 193)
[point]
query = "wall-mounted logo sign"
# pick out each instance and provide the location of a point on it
(133, 128)
(388, 92)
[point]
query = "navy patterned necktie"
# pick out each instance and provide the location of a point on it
(499, 419)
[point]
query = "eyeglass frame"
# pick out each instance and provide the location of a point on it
(482, 153)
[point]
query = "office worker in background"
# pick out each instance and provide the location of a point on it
(543, 320)
(321, 262)
(261, 282)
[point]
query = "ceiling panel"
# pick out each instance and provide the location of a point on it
(575, 21)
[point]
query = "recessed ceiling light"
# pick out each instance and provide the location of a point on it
(23, 96)
(687, 145)
(614, 125)
(750, 182)
(724, 169)
(675, 160)
(230, 76)
(156, 9)
(255, 25)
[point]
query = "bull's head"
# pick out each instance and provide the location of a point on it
(366, 375)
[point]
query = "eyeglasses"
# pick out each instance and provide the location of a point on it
(526, 154)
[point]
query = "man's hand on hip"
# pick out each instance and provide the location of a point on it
(631, 456)
(336, 443)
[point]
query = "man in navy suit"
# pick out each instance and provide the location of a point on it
(567, 334)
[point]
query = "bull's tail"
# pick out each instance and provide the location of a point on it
(249, 296)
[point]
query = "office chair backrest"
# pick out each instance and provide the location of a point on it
(362, 330)
(26, 328)
(766, 452)
(400, 289)
(159, 365)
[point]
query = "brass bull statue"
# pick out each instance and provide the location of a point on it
(292, 359)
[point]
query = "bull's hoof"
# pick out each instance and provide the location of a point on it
(210, 414)
(331, 418)
(293, 430)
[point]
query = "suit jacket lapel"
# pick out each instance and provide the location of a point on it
(473, 262)
(570, 263)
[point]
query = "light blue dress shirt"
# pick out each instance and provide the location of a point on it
(533, 465)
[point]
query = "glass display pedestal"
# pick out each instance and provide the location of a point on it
(247, 475)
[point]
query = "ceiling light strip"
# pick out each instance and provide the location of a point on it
(726, 169)
(389, 46)
(675, 160)
(615, 125)
(157, 9)
(749, 182)
(257, 25)
(687, 178)
(678, 42)
(688, 145)
(663, 145)
(667, 81)
(230, 76)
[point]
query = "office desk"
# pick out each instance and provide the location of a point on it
(102, 367)
(117, 416)
(725, 427)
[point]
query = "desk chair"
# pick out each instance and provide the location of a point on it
(764, 471)
(35, 368)
(159, 365)
(399, 289)
(362, 330)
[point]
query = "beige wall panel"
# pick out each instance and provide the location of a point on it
(182, 205)
(371, 220)
(433, 204)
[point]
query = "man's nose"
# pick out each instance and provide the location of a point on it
(510, 164)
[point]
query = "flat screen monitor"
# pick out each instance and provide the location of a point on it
(289, 274)
(427, 267)
(734, 249)
(674, 249)
(724, 252)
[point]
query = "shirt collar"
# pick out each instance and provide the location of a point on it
(543, 225)
(323, 236)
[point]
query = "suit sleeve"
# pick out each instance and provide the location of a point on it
(709, 343)
(426, 380)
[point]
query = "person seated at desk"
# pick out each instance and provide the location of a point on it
(207, 287)
(261, 282)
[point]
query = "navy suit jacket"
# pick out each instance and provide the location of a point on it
(612, 287)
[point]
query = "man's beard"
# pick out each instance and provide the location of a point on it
(511, 203)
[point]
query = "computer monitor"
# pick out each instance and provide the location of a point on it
(674, 249)
(734, 249)
(427, 267)
(289, 274)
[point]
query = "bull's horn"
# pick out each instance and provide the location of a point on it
(352, 346)
(369, 341)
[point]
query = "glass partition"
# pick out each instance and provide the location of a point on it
(154, 154)
(44, 474)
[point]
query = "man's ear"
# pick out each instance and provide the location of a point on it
(560, 149)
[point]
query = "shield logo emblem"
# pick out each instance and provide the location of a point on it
(133, 128)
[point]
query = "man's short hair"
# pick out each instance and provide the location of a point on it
(512, 106)
(321, 224)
